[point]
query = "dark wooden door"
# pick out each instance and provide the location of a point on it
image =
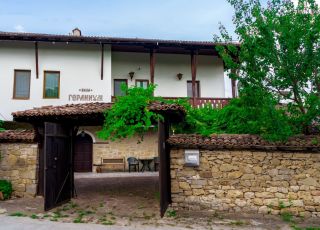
(164, 169)
(83, 153)
(58, 165)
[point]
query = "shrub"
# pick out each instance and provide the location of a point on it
(6, 188)
(254, 112)
(1, 126)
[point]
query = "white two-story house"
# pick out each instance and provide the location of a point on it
(43, 69)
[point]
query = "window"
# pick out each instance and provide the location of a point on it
(51, 84)
(117, 86)
(21, 88)
(189, 89)
(142, 83)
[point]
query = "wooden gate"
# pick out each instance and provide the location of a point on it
(58, 179)
(164, 169)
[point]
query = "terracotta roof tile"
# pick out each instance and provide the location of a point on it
(69, 109)
(17, 136)
(243, 141)
(86, 109)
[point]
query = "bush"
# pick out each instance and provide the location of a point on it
(1, 126)
(254, 112)
(6, 188)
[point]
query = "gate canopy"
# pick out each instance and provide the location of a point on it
(88, 113)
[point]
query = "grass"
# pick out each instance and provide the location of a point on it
(34, 216)
(171, 213)
(107, 222)
(287, 217)
(238, 223)
(18, 214)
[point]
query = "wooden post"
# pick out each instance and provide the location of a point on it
(152, 65)
(102, 60)
(37, 60)
(194, 75)
(233, 85)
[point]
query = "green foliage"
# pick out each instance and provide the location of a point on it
(18, 214)
(130, 114)
(254, 112)
(1, 126)
(279, 54)
(6, 188)
(171, 213)
(287, 217)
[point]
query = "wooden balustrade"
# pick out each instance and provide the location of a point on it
(216, 103)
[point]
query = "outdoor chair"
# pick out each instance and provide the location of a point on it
(133, 162)
(156, 163)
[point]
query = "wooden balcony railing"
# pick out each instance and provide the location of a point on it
(216, 103)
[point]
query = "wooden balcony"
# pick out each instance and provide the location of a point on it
(216, 103)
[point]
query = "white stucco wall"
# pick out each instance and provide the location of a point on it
(210, 72)
(125, 62)
(79, 67)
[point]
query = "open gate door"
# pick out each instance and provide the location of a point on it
(58, 176)
(164, 169)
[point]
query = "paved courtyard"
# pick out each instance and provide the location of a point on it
(121, 201)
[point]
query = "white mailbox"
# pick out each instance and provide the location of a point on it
(191, 157)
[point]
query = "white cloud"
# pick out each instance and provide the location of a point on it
(19, 28)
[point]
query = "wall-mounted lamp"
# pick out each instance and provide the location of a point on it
(179, 76)
(131, 74)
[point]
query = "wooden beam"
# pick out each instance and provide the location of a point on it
(152, 65)
(102, 60)
(233, 85)
(194, 75)
(37, 60)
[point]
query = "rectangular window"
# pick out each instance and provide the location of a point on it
(51, 84)
(142, 83)
(189, 89)
(21, 88)
(117, 86)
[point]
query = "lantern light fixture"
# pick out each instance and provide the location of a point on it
(179, 76)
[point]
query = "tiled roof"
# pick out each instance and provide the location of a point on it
(100, 39)
(17, 136)
(243, 141)
(69, 109)
(86, 109)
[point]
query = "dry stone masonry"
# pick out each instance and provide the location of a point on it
(18, 164)
(248, 181)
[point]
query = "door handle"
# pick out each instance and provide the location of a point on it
(56, 158)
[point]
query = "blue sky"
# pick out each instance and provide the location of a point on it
(166, 19)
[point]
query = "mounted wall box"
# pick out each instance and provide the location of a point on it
(191, 157)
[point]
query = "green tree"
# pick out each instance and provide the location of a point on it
(130, 114)
(279, 55)
(1, 126)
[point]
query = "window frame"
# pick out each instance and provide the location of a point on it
(141, 80)
(44, 84)
(198, 88)
(15, 82)
(118, 79)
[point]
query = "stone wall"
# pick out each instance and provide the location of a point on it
(129, 147)
(18, 164)
(247, 181)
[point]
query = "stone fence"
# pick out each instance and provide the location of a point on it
(18, 162)
(245, 179)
